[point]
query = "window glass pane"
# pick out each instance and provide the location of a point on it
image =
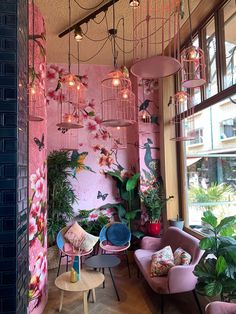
(229, 18)
(210, 163)
(209, 46)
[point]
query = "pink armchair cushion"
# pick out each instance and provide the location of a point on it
(181, 257)
(179, 278)
(162, 261)
(220, 308)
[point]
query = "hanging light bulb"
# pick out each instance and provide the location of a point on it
(118, 128)
(78, 33)
(33, 89)
(125, 93)
(181, 97)
(116, 81)
(134, 3)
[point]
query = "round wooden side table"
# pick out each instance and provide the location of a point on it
(89, 280)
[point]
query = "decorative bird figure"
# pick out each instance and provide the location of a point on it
(145, 105)
(151, 163)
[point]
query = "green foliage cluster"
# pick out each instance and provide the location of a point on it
(61, 195)
(216, 270)
(129, 207)
(154, 200)
(214, 193)
(94, 227)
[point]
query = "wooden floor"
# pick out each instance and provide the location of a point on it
(136, 297)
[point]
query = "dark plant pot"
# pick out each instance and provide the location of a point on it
(177, 223)
(154, 228)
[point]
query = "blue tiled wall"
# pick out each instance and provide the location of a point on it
(13, 157)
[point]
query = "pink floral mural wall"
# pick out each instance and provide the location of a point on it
(37, 164)
(98, 148)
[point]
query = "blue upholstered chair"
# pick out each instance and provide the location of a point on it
(115, 239)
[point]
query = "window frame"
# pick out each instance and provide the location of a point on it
(222, 94)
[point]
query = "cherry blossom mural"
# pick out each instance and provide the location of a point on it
(37, 165)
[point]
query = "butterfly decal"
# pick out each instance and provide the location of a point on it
(77, 162)
(102, 196)
(39, 143)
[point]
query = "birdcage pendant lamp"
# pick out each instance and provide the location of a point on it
(156, 26)
(182, 117)
(118, 100)
(193, 67)
(118, 138)
(69, 111)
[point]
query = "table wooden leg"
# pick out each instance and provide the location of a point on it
(61, 300)
(94, 295)
(85, 302)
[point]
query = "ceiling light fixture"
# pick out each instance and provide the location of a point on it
(156, 29)
(134, 3)
(78, 33)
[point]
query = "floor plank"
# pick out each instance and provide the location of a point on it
(135, 294)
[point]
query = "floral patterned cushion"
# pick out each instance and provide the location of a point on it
(162, 261)
(181, 257)
(80, 239)
(75, 235)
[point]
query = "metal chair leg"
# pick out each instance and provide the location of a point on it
(162, 303)
(59, 265)
(103, 284)
(127, 260)
(197, 301)
(67, 262)
(114, 285)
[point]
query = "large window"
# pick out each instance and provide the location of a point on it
(211, 167)
(209, 176)
(229, 23)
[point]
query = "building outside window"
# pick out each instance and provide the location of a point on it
(228, 128)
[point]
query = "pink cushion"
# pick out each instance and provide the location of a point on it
(181, 257)
(162, 261)
(75, 235)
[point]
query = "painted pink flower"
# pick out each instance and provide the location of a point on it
(52, 74)
(93, 216)
(110, 161)
(41, 267)
(35, 209)
(34, 250)
(37, 182)
(32, 228)
(104, 151)
(124, 174)
(102, 160)
(105, 136)
(108, 212)
(92, 126)
(96, 147)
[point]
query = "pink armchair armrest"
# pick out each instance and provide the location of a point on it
(220, 308)
(181, 278)
(150, 243)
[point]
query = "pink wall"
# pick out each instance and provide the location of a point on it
(88, 184)
(37, 170)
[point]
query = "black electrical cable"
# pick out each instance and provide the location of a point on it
(88, 9)
(95, 40)
(94, 54)
(105, 13)
(190, 23)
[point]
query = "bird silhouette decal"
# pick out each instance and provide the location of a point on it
(151, 163)
(144, 107)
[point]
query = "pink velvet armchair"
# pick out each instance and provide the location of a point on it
(220, 308)
(179, 278)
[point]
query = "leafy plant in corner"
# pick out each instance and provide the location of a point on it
(154, 200)
(216, 271)
(61, 195)
(129, 207)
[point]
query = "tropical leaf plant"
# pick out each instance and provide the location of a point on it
(216, 271)
(61, 195)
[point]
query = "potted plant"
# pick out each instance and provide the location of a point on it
(216, 269)
(61, 197)
(178, 222)
(154, 200)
